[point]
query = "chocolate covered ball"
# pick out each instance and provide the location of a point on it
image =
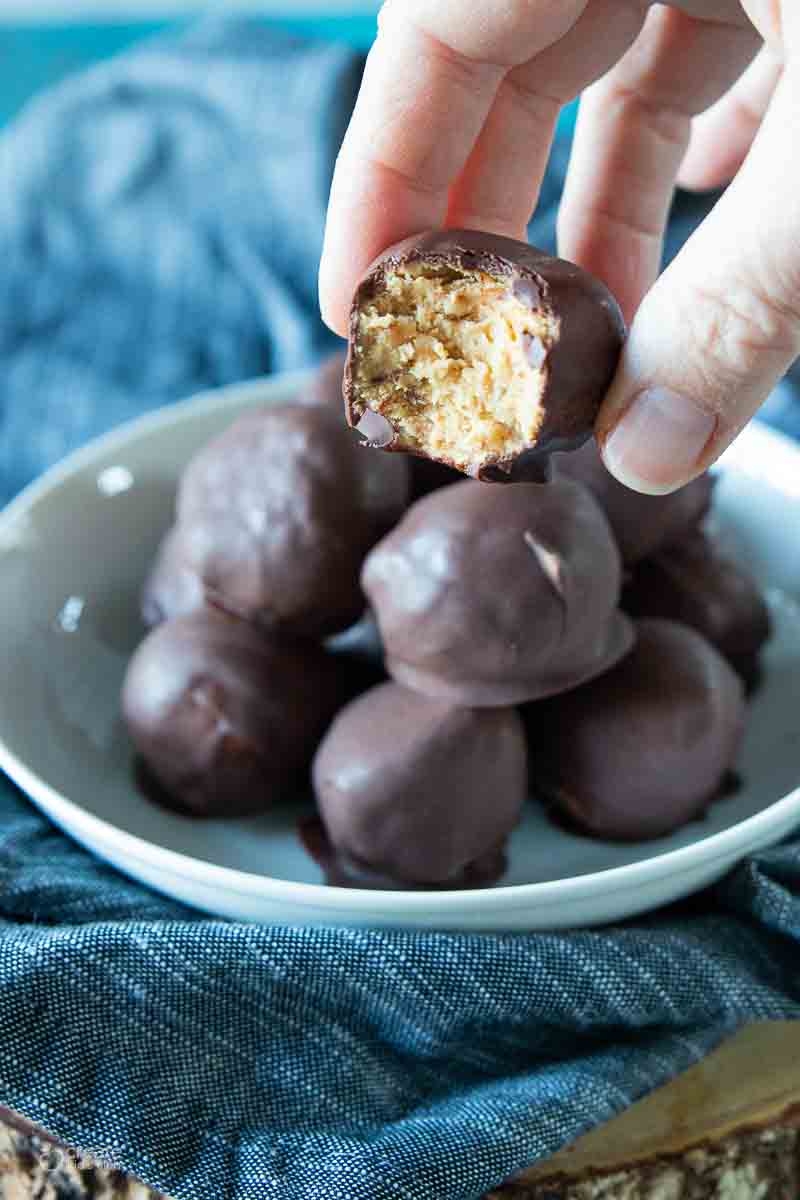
(475, 350)
(172, 588)
(490, 595)
(695, 583)
(427, 476)
(324, 389)
(646, 747)
(226, 719)
(277, 514)
(641, 524)
(420, 792)
(341, 870)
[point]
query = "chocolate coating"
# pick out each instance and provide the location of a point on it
(428, 476)
(277, 514)
(646, 747)
(641, 524)
(489, 596)
(694, 583)
(416, 791)
(226, 719)
(172, 589)
(343, 871)
(575, 361)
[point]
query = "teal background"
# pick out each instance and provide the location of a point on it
(34, 57)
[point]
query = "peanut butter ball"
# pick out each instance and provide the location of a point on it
(277, 514)
(642, 525)
(487, 596)
(413, 791)
(646, 747)
(695, 583)
(477, 351)
(226, 719)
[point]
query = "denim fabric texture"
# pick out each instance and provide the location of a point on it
(160, 225)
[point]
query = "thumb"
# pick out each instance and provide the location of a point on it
(721, 325)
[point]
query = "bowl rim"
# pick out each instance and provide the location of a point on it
(726, 845)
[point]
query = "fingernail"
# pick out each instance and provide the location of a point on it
(659, 441)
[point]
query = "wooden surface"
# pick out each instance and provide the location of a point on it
(35, 1167)
(752, 1081)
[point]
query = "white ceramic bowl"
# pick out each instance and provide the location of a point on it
(74, 548)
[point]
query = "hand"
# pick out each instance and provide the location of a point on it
(454, 124)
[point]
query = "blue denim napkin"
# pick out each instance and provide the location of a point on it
(160, 224)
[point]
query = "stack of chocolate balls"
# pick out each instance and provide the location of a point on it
(552, 633)
(228, 696)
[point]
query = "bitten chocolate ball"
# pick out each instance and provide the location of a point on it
(474, 350)
(641, 524)
(420, 792)
(325, 389)
(172, 589)
(696, 584)
(226, 719)
(490, 595)
(277, 514)
(646, 747)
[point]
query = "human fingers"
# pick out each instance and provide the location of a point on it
(632, 133)
(430, 82)
(720, 327)
(499, 185)
(722, 136)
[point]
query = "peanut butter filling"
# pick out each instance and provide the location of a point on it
(454, 361)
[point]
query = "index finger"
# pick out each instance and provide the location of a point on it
(430, 81)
